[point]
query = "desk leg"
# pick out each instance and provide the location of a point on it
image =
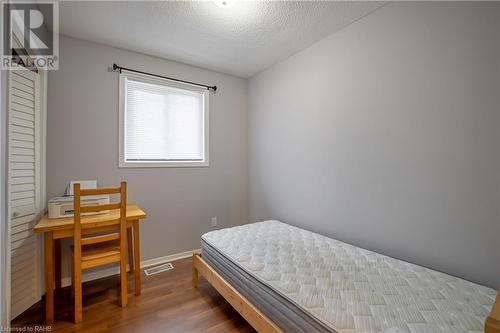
(57, 262)
(49, 278)
(137, 259)
(130, 247)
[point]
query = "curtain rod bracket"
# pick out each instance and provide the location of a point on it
(119, 69)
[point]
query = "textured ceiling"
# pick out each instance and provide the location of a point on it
(241, 40)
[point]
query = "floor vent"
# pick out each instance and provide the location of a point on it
(158, 269)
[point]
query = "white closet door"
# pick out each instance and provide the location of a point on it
(24, 188)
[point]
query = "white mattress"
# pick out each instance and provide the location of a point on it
(351, 289)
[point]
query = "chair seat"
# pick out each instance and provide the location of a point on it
(99, 254)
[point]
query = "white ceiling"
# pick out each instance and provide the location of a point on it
(242, 40)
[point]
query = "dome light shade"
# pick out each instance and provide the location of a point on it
(224, 3)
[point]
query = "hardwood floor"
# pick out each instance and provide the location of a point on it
(168, 304)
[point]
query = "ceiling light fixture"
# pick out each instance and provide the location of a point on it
(224, 3)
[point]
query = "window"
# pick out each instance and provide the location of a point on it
(162, 123)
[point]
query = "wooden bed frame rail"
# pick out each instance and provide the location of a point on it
(247, 310)
(260, 322)
(492, 324)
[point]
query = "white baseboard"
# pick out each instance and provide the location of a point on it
(98, 274)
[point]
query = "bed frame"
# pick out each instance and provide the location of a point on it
(260, 322)
(492, 324)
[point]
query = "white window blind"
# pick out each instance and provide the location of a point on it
(164, 123)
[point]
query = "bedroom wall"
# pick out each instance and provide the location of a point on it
(82, 143)
(386, 135)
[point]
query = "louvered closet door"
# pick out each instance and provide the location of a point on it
(24, 187)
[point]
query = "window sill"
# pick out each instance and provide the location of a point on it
(173, 164)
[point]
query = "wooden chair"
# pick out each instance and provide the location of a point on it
(95, 248)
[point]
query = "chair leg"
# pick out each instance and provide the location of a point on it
(78, 303)
(123, 283)
(77, 272)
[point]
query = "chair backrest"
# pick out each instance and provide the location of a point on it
(119, 221)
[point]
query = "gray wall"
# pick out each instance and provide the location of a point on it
(82, 143)
(386, 135)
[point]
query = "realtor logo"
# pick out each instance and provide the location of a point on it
(30, 35)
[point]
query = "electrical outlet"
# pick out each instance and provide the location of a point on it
(213, 221)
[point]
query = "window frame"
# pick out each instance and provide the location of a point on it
(122, 163)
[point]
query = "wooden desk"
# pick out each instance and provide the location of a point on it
(56, 229)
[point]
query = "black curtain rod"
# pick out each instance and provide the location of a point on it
(120, 68)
